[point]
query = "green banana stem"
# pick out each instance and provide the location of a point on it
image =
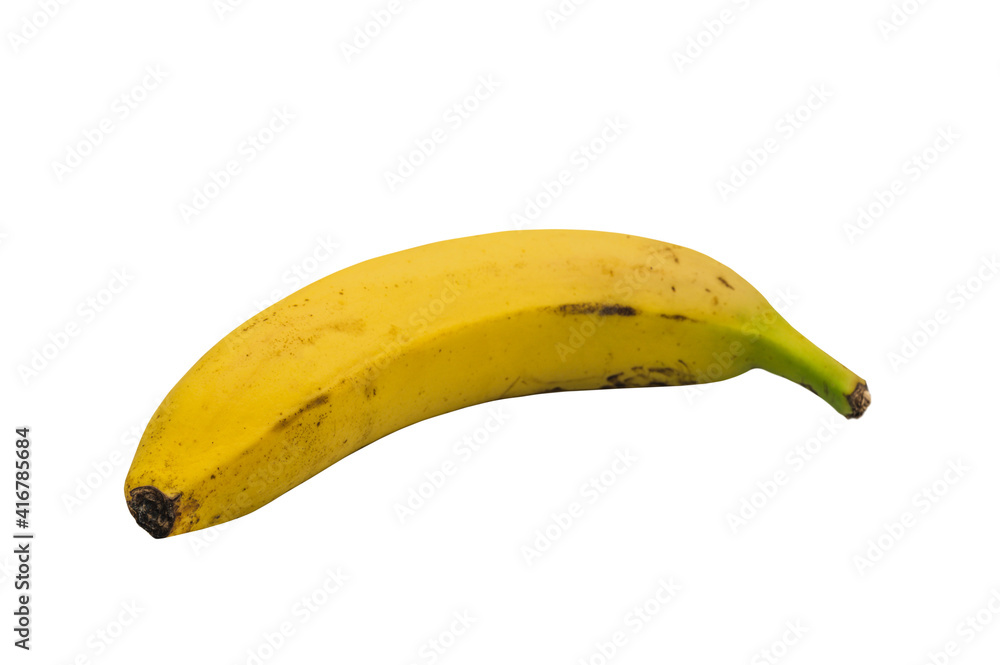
(789, 354)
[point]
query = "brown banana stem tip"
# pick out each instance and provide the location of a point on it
(152, 510)
(859, 400)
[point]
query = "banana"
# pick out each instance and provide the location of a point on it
(391, 341)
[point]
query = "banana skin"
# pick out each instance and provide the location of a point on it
(397, 339)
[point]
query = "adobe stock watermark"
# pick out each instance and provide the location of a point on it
(794, 463)
(121, 108)
(594, 317)
(8, 569)
(32, 24)
(300, 273)
(452, 120)
(462, 452)
(780, 647)
(577, 335)
(970, 628)
(581, 159)
(442, 641)
(85, 313)
(911, 171)
(561, 12)
(562, 521)
(112, 632)
(957, 298)
(252, 146)
(638, 617)
(922, 502)
(783, 301)
(699, 42)
(261, 478)
(899, 16)
(419, 321)
(223, 8)
(366, 33)
(202, 539)
(300, 613)
(785, 129)
(100, 471)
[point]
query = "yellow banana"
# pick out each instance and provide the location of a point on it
(400, 338)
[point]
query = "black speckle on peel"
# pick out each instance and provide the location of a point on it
(677, 317)
(153, 510)
(726, 284)
(600, 309)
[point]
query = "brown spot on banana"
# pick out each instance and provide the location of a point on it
(601, 309)
(642, 377)
(317, 401)
(311, 404)
(859, 400)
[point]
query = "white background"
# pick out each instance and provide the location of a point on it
(880, 96)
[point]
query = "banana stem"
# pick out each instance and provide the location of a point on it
(797, 359)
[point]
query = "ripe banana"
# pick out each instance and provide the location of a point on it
(389, 342)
